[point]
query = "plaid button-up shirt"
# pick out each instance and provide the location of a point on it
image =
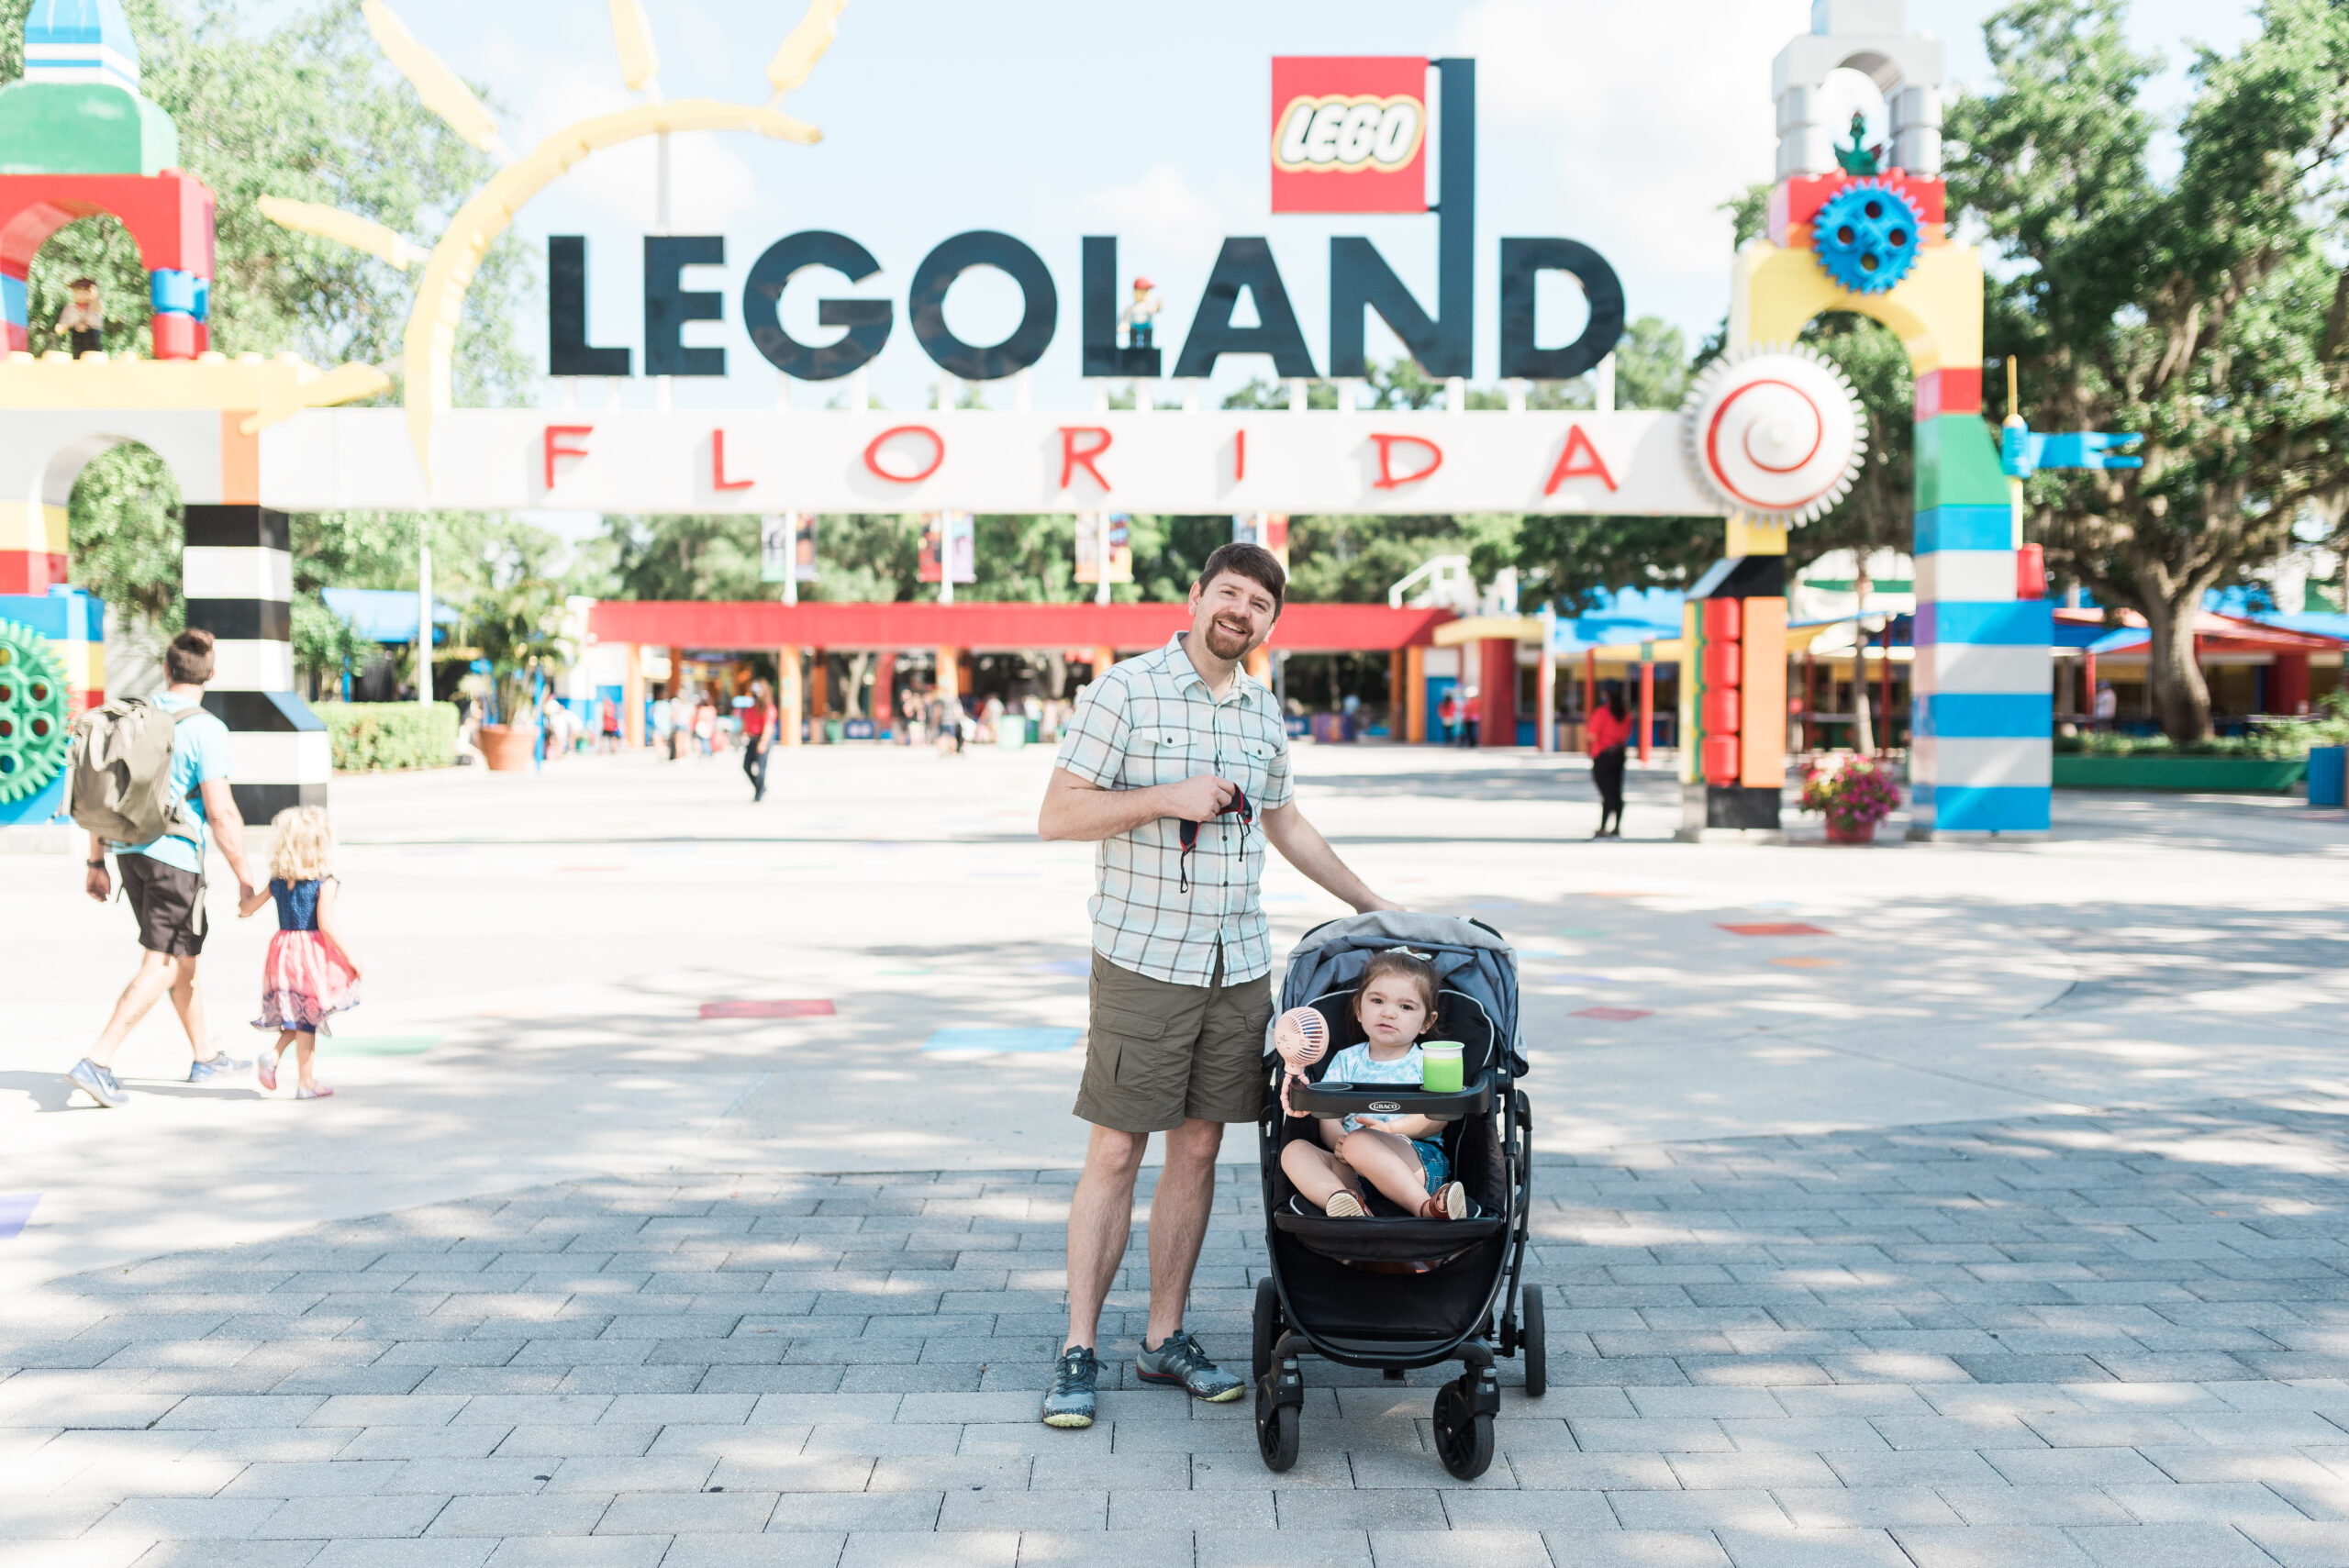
(1149, 721)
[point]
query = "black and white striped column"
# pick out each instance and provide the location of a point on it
(236, 573)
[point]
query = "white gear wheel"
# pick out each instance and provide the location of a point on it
(1775, 431)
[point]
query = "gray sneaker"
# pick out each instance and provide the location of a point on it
(219, 1065)
(97, 1083)
(1180, 1361)
(1069, 1403)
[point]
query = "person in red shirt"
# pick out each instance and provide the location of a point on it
(757, 720)
(1609, 729)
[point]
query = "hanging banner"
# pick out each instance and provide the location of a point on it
(1089, 547)
(787, 547)
(962, 545)
(1267, 529)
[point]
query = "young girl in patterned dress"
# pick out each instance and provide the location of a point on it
(310, 973)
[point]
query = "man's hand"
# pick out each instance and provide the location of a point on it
(98, 884)
(1197, 799)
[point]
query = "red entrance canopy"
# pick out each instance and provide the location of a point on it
(1302, 628)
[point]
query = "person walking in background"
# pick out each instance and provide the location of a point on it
(164, 881)
(309, 974)
(1468, 717)
(757, 720)
(1447, 714)
(705, 724)
(1610, 728)
(611, 717)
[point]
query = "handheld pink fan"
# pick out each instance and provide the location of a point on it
(1301, 1035)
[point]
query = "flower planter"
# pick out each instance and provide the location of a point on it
(507, 747)
(1857, 833)
(2230, 776)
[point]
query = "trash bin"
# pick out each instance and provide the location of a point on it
(2327, 765)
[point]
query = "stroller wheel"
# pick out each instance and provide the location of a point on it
(1464, 1437)
(1269, 1328)
(1277, 1428)
(1531, 1344)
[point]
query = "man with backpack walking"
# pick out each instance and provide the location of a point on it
(150, 782)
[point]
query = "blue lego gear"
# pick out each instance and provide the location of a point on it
(1866, 236)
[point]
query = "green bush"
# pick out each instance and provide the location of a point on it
(2275, 740)
(373, 736)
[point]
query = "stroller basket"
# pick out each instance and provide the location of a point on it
(1392, 1290)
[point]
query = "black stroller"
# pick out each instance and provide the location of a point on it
(1393, 1291)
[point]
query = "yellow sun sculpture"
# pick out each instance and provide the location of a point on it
(430, 346)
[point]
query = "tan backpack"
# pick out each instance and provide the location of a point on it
(118, 773)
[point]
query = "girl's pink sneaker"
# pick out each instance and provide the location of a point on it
(319, 1093)
(265, 1068)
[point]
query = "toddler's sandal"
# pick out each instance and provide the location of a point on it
(1449, 1201)
(1343, 1205)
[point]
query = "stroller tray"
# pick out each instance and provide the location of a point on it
(1329, 1098)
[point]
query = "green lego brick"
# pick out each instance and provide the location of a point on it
(83, 127)
(1957, 463)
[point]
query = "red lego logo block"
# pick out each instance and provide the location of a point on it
(1350, 133)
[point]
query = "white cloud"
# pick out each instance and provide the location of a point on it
(1160, 213)
(710, 183)
(1662, 109)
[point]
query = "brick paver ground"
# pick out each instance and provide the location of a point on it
(2121, 1340)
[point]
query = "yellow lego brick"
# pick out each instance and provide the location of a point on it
(32, 526)
(1936, 311)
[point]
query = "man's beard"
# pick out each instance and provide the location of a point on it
(1227, 643)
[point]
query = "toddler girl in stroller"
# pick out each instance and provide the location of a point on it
(1402, 1156)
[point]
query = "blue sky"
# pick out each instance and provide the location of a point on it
(1621, 126)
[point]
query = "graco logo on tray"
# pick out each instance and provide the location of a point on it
(1386, 1104)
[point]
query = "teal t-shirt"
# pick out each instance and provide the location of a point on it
(199, 756)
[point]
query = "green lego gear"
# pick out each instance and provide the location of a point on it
(34, 731)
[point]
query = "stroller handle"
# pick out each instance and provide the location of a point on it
(1336, 1099)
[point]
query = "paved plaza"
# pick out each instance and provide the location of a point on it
(1921, 1205)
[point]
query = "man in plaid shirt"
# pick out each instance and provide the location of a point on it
(1177, 764)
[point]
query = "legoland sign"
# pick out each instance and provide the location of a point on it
(1343, 135)
(1348, 135)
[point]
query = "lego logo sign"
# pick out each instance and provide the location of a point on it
(1350, 133)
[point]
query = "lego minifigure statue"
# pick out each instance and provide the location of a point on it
(84, 321)
(1142, 316)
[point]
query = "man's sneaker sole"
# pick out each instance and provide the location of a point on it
(1160, 1378)
(73, 1082)
(1068, 1423)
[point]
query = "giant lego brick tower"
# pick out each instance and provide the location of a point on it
(1874, 241)
(77, 138)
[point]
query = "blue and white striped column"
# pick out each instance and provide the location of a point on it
(1982, 702)
(236, 571)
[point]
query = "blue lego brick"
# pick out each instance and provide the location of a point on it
(12, 300)
(2013, 623)
(2028, 716)
(1981, 809)
(1965, 528)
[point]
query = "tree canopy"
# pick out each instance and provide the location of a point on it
(2207, 309)
(303, 107)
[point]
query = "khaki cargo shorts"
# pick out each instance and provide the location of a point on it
(1161, 1054)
